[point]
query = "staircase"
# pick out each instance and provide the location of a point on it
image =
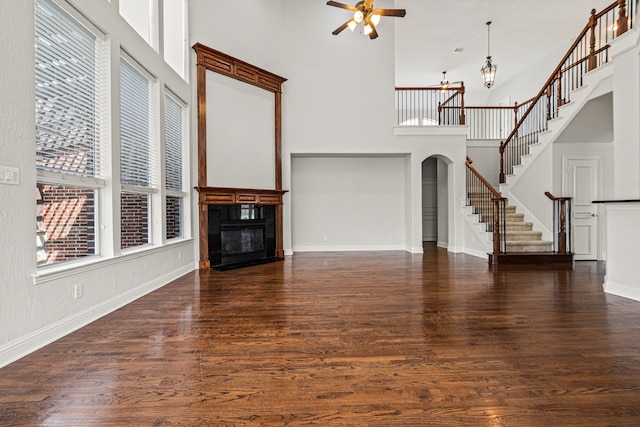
(519, 234)
(566, 90)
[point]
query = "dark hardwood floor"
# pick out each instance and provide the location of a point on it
(377, 339)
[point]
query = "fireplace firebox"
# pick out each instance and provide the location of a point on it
(241, 235)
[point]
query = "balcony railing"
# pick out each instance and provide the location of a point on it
(430, 106)
(445, 107)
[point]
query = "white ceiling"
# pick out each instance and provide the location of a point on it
(522, 32)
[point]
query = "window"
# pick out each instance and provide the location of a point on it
(174, 143)
(156, 20)
(80, 190)
(68, 152)
(136, 168)
(174, 35)
(138, 14)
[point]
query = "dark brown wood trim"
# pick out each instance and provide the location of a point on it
(517, 258)
(278, 140)
(216, 61)
(202, 124)
(222, 63)
(236, 196)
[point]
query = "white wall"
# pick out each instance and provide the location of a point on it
(348, 203)
(486, 159)
(32, 315)
(240, 134)
(253, 35)
(443, 203)
(626, 106)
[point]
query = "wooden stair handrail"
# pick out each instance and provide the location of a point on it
(558, 70)
(429, 88)
(499, 207)
(490, 187)
(552, 197)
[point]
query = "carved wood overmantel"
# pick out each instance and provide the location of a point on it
(209, 59)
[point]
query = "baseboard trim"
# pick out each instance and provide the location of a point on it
(349, 248)
(29, 343)
(620, 290)
(476, 253)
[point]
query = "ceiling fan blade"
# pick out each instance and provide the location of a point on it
(341, 27)
(341, 5)
(390, 12)
(373, 34)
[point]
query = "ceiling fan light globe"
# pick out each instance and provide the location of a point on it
(352, 25)
(375, 19)
(358, 16)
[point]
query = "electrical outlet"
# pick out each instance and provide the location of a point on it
(77, 291)
(179, 255)
(325, 237)
(9, 175)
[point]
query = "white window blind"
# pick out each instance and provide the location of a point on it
(135, 135)
(173, 143)
(67, 126)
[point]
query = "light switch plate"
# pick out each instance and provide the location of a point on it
(9, 175)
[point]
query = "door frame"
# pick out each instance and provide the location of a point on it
(566, 158)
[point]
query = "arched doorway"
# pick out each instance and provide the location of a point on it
(435, 201)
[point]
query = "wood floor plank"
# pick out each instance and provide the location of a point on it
(377, 339)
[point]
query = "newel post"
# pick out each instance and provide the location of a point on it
(496, 226)
(562, 229)
(592, 63)
(439, 113)
(462, 116)
(621, 23)
(515, 114)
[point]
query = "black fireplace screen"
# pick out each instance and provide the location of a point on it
(242, 241)
(241, 234)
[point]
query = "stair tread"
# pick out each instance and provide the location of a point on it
(528, 242)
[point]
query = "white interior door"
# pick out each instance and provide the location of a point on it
(429, 210)
(581, 183)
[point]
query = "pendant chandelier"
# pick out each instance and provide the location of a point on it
(489, 69)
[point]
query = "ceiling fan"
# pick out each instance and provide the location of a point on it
(445, 84)
(364, 12)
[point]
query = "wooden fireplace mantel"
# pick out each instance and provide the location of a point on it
(239, 196)
(236, 196)
(209, 59)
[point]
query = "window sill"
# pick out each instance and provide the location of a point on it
(56, 272)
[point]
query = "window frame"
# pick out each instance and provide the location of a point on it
(152, 189)
(61, 177)
(182, 195)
